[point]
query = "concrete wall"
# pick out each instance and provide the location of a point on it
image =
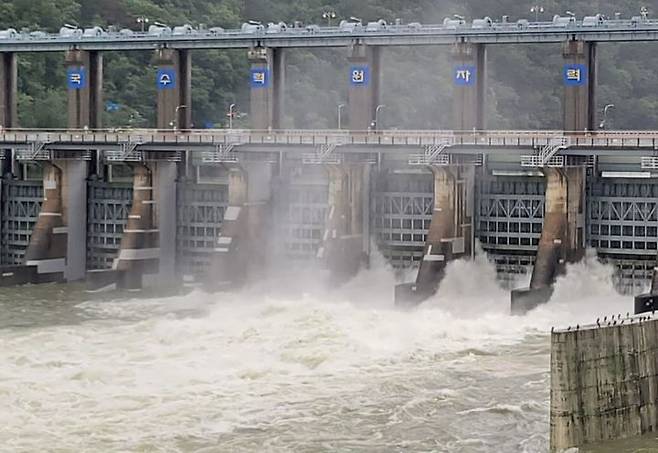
(604, 383)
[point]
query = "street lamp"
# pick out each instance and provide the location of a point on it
(376, 122)
(142, 21)
(537, 9)
(605, 115)
(329, 15)
(340, 108)
(174, 123)
(231, 114)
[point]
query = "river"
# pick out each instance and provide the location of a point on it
(287, 367)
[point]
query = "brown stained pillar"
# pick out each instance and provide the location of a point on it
(8, 90)
(342, 245)
(579, 75)
(449, 236)
(84, 80)
(267, 80)
(364, 86)
(48, 244)
(173, 82)
(562, 237)
(139, 253)
(469, 78)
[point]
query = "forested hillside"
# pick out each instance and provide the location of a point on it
(524, 88)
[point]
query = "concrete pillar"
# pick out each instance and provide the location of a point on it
(579, 75)
(84, 79)
(450, 233)
(562, 237)
(469, 78)
(74, 210)
(174, 86)
(48, 244)
(364, 88)
(343, 247)
(164, 176)
(267, 81)
(241, 249)
(8, 90)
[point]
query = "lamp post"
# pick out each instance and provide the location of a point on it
(328, 15)
(174, 123)
(340, 108)
(231, 114)
(537, 9)
(379, 107)
(605, 115)
(142, 21)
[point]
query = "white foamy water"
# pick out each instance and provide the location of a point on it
(274, 369)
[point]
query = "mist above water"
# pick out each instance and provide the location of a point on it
(294, 366)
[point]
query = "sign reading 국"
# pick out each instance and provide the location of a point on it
(166, 79)
(359, 75)
(260, 77)
(574, 74)
(464, 75)
(76, 78)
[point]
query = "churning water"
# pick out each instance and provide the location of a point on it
(274, 369)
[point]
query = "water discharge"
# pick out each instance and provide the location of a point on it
(287, 367)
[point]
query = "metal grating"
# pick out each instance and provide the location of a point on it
(200, 213)
(21, 204)
(108, 206)
(304, 220)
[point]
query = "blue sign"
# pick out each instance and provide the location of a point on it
(574, 74)
(260, 78)
(360, 75)
(112, 106)
(166, 79)
(76, 78)
(464, 75)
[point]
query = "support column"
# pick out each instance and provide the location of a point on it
(174, 84)
(84, 79)
(562, 238)
(74, 209)
(343, 247)
(469, 78)
(267, 82)
(241, 249)
(579, 75)
(364, 89)
(450, 234)
(8, 90)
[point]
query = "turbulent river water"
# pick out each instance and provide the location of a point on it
(294, 367)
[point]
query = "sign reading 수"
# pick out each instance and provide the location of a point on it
(76, 78)
(166, 79)
(260, 77)
(464, 75)
(359, 75)
(574, 74)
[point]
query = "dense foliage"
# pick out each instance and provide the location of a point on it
(524, 89)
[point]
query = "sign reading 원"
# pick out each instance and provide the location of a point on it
(575, 74)
(166, 79)
(464, 75)
(76, 78)
(260, 77)
(359, 75)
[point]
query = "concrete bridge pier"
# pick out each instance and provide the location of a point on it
(579, 77)
(241, 250)
(562, 238)
(344, 245)
(470, 78)
(450, 236)
(54, 253)
(364, 88)
(174, 85)
(8, 90)
(85, 89)
(267, 86)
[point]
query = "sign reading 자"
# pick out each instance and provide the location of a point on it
(166, 79)
(574, 74)
(464, 75)
(76, 78)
